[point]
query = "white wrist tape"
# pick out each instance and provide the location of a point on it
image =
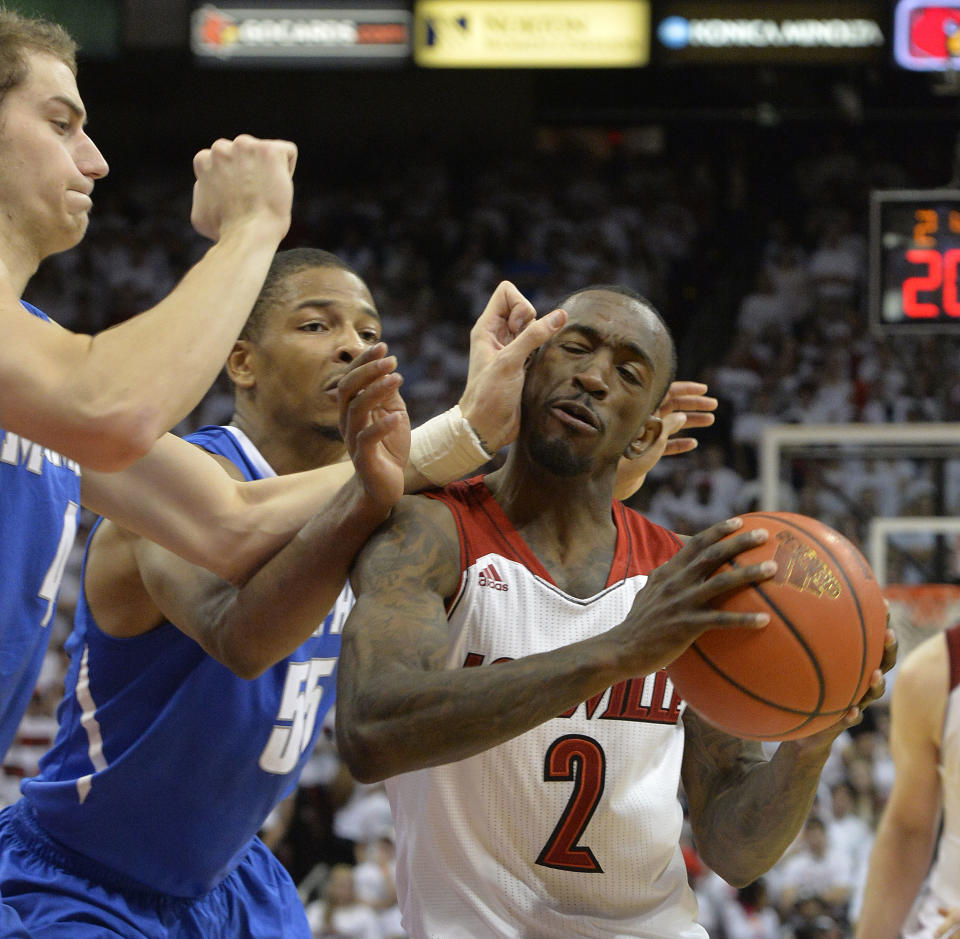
(447, 448)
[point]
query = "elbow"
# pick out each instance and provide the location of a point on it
(225, 642)
(230, 564)
(115, 438)
(737, 879)
(363, 752)
(222, 547)
(244, 662)
(247, 668)
(736, 871)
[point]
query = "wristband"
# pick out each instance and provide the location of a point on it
(447, 448)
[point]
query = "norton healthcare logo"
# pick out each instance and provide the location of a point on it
(449, 29)
(531, 33)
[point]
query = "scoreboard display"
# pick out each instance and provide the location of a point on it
(915, 260)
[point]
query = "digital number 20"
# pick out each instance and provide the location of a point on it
(941, 273)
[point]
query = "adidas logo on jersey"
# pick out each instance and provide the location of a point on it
(489, 577)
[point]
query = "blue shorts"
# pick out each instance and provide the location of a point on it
(10, 925)
(59, 894)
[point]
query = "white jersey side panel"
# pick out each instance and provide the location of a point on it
(599, 855)
(943, 886)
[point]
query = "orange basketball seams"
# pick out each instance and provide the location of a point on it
(813, 661)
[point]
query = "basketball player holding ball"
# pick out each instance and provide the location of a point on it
(502, 669)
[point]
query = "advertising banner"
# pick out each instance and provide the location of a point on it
(313, 35)
(789, 31)
(531, 33)
(926, 36)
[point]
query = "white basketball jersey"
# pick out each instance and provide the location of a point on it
(943, 886)
(571, 829)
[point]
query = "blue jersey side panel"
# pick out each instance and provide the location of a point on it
(39, 505)
(166, 763)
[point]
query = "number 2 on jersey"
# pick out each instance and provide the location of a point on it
(579, 760)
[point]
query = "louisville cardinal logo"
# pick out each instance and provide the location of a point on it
(214, 28)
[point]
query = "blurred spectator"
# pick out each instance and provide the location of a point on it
(374, 880)
(765, 307)
(749, 915)
(339, 914)
(790, 279)
(747, 432)
(850, 835)
(712, 463)
(836, 267)
(673, 503)
(814, 869)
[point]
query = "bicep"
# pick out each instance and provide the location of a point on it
(189, 596)
(400, 580)
(917, 709)
(133, 584)
(34, 356)
(173, 496)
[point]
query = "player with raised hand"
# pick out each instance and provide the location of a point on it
(502, 669)
(104, 400)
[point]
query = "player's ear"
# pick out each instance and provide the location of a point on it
(239, 364)
(649, 433)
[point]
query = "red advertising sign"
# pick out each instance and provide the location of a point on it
(926, 36)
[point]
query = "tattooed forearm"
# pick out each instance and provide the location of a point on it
(745, 810)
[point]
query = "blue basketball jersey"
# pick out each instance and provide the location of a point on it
(166, 764)
(39, 508)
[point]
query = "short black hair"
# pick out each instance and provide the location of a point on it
(285, 264)
(625, 291)
(612, 288)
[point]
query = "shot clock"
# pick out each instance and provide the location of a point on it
(915, 260)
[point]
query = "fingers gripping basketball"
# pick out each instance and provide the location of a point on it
(813, 661)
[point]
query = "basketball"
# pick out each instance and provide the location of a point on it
(813, 660)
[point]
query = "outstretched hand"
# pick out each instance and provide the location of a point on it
(685, 407)
(504, 335)
(374, 424)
